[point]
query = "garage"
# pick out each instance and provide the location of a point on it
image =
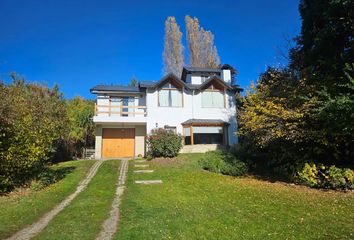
(118, 142)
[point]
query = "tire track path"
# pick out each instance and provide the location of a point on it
(110, 225)
(34, 229)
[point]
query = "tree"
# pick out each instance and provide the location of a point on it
(173, 49)
(202, 51)
(133, 81)
(81, 127)
(323, 58)
(193, 40)
(32, 121)
(325, 44)
(304, 112)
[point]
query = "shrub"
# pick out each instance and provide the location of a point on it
(321, 176)
(223, 162)
(213, 162)
(164, 143)
(32, 118)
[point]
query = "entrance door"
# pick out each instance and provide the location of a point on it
(118, 142)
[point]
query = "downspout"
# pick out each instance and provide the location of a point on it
(193, 104)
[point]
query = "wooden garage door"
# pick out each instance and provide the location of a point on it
(118, 142)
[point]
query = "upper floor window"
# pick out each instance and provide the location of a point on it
(213, 98)
(170, 96)
(123, 106)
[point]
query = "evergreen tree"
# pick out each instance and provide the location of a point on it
(133, 82)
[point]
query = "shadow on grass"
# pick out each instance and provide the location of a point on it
(49, 176)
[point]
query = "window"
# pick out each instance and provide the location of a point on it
(170, 96)
(204, 135)
(208, 135)
(187, 135)
(122, 106)
(213, 98)
(128, 106)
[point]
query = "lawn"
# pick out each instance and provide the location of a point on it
(22, 208)
(82, 219)
(195, 204)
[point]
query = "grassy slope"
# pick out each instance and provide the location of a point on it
(18, 210)
(82, 219)
(195, 204)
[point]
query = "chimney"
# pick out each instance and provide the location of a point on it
(228, 73)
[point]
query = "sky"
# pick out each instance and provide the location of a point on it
(78, 44)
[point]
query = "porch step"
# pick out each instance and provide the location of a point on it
(141, 165)
(146, 182)
(143, 171)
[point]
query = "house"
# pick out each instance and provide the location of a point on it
(200, 105)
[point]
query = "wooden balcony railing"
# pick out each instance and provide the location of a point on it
(123, 111)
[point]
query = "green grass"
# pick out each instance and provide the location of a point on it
(195, 204)
(20, 209)
(82, 219)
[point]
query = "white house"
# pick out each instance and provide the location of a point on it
(200, 105)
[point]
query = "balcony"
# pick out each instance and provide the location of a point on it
(119, 114)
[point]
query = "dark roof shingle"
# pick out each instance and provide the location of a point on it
(114, 88)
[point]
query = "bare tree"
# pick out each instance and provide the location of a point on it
(173, 49)
(202, 51)
(193, 40)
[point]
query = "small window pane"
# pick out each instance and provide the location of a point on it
(218, 99)
(186, 131)
(207, 99)
(163, 98)
(175, 98)
(207, 130)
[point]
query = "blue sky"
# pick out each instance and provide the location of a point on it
(78, 44)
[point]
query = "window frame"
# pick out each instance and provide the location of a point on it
(212, 89)
(171, 87)
(191, 134)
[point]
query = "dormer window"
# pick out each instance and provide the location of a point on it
(170, 96)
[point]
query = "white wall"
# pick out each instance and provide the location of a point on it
(174, 116)
(196, 79)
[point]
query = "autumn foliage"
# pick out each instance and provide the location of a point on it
(303, 114)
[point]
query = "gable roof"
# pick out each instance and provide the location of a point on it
(156, 84)
(214, 78)
(169, 76)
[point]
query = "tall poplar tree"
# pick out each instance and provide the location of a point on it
(173, 49)
(202, 50)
